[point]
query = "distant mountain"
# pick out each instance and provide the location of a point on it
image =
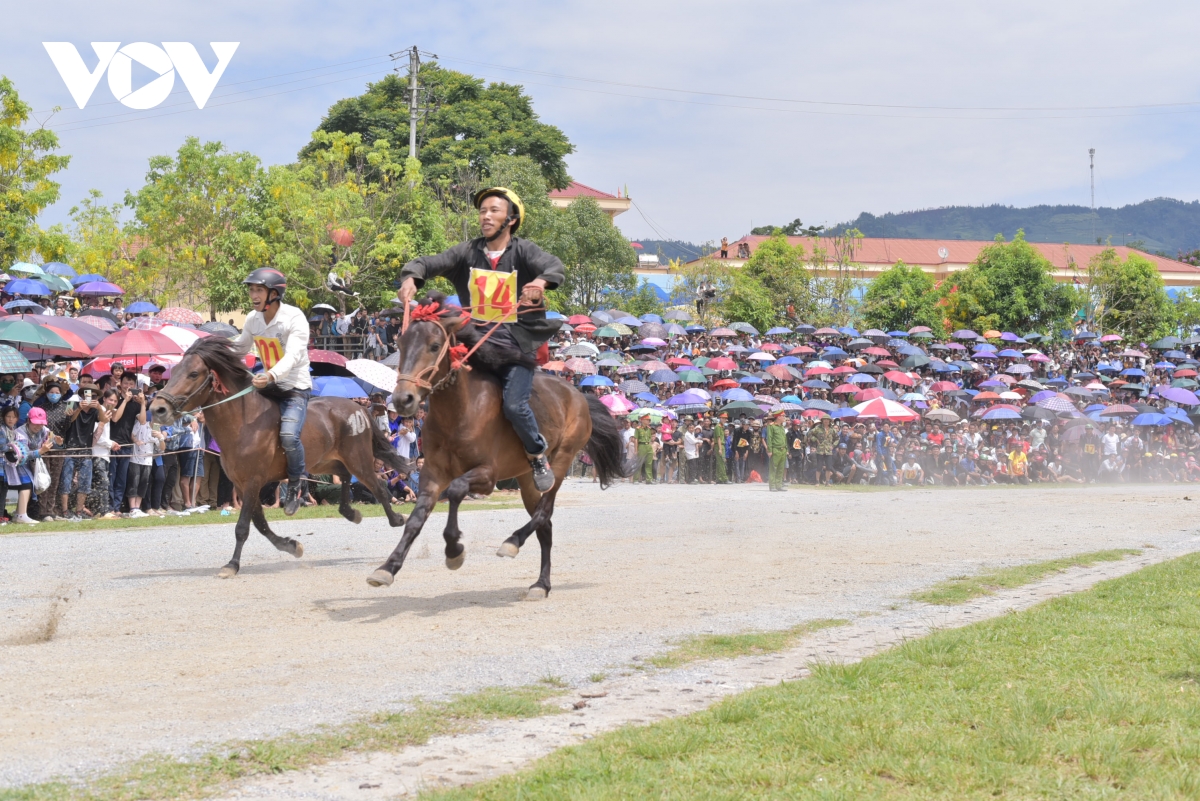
(1160, 225)
(668, 249)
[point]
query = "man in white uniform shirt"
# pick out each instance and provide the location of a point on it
(278, 333)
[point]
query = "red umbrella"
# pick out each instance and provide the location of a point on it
(886, 363)
(845, 369)
(868, 394)
(326, 357)
(884, 409)
(816, 371)
(896, 377)
(678, 360)
(986, 396)
(813, 413)
(1187, 372)
(132, 342)
(724, 332)
(944, 386)
(780, 371)
(876, 351)
(579, 319)
(845, 389)
(721, 363)
(178, 314)
(725, 383)
(585, 328)
(802, 350)
(578, 365)
(772, 346)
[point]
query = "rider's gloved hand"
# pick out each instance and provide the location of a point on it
(263, 380)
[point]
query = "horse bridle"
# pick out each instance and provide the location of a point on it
(420, 378)
(176, 404)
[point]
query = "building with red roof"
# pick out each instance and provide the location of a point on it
(942, 257)
(612, 204)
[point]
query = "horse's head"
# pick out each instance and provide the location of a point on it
(425, 352)
(208, 369)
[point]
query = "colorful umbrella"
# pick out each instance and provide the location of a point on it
(884, 409)
(317, 356)
(178, 314)
(11, 361)
(132, 342)
(582, 366)
(32, 337)
(99, 289)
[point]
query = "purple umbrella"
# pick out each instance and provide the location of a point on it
(1041, 396)
(100, 288)
(1183, 397)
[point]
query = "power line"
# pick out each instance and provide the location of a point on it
(825, 102)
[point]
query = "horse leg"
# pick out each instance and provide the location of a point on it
(285, 544)
(545, 535)
(365, 472)
(386, 574)
(479, 479)
(241, 532)
(511, 546)
(344, 507)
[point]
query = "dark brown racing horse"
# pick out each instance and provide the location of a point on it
(469, 445)
(339, 438)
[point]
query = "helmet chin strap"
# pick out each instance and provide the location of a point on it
(508, 221)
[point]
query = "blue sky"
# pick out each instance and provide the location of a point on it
(708, 161)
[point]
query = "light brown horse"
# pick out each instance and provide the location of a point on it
(339, 438)
(469, 445)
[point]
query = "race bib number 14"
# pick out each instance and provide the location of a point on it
(270, 351)
(493, 296)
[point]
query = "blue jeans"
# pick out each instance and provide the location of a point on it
(76, 466)
(118, 473)
(292, 411)
(518, 383)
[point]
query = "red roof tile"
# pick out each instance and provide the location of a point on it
(577, 189)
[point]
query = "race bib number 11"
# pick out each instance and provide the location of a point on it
(493, 296)
(270, 351)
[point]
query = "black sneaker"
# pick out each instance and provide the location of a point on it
(291, 499)
(543, 476)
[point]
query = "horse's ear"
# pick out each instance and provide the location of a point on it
(454, 324)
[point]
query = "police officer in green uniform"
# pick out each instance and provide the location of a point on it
(645, 451)
(777, 450)
(720, 472)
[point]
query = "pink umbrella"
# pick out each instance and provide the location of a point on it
(654, 342)
(896, 377)
(578, 365)
(617, 404)
(721, 363)
(1111, 338)
(178, 314)
(884, 409)
(132, 342)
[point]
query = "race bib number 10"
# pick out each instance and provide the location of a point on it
(493, 296)
(270, 351)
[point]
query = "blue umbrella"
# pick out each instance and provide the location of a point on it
(684, 399)
(1001, 414)
(83, 279)
(647, 397)
(336, 386)
(819, 403)
(694, 329)
(1009, 353)
(1134, 372)
(845, 411)
(787, 399)
(750, 379)
(58, 268)
(737, 394)
(662, 377)
(848, 331)
(833, 351)
(779, 329)
(1164, 366)
(1058, 382)
(596, 381)
(1152, 419)
(815, 384)
(651, 318)
(789, 360)
(142, 307)
(860, 378)
(1178, 415)
(14, 305)
(552, 315)
(26, 286)
(985, 346)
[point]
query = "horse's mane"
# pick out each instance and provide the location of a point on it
(217, 353)
(492, 354)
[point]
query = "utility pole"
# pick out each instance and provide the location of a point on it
(1092, 170)
(414, 93)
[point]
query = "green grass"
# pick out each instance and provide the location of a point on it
(159, 777)
(1088, 696)
(213, 517)
(728, 646)
(960, 589)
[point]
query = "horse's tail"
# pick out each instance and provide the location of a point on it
(605, 446)
(382, 450)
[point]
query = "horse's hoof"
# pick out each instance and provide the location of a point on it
(380, 578)
(356, 517)
(400, 521)
(297, 549)
(507, 549)
(227, 572)
(536, 593)
(456, 562)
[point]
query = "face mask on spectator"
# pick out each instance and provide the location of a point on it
(54, 396)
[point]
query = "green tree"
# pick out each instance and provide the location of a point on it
(900, 298)
(837, 278)
(780, 268)
(1128, 296)
(198, 214)
(597, 258)
(644, 300)
(748, 300)
(1187, 310)
(27, 160)
(470, 122)
(346, 185)
(96, 242)
(1010, 286)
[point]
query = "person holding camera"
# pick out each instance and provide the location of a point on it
(19, 457)
(124, 417)
(83, 416)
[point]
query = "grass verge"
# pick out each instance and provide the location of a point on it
(160, 777)
(215, 517)
(1088, 696)
(728, 646)
(960, 589)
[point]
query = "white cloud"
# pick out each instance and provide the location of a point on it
(701, 171)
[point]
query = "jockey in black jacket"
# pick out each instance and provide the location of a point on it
(470, 266)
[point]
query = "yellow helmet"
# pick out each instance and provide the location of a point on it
(507, 194)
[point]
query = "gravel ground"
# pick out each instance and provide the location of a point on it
(151, 653)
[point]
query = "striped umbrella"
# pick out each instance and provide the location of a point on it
(178, 314)
(581, 366)
(103, 323)
(11, 361)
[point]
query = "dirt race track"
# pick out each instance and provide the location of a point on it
(152, 653)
